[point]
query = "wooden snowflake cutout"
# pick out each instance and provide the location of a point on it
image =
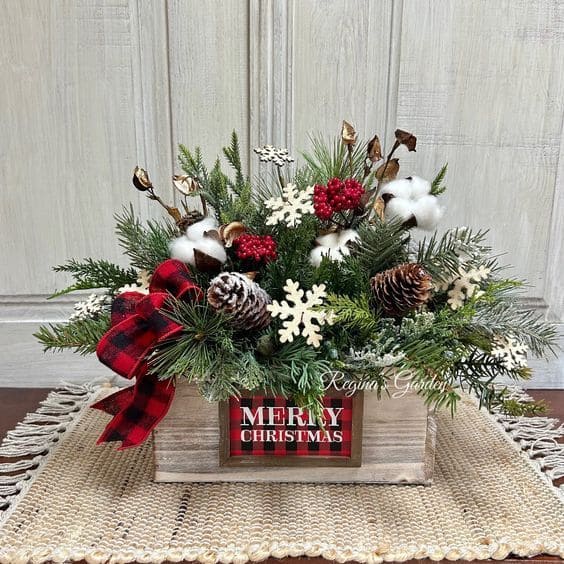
(290, 208)
(305, 318)
(465, 285)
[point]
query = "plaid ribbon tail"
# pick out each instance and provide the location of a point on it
(115, 402)
(137, 325)
(144, 405)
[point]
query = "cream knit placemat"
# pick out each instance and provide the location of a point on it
(94, 503)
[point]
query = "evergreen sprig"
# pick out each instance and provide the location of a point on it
(146, 245)
(437, 186)
(94, 273)
(326, 161)
(81, 335)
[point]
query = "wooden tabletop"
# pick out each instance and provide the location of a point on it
(16, 402)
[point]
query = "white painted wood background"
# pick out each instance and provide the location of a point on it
(92, 87)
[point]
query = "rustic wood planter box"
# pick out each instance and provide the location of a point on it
(395, 444)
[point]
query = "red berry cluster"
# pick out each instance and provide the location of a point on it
(256, 248)
(338, 195)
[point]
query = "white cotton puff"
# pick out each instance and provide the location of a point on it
(317, 254)
(329, 240)
(348, 236)
(428, 212)
(400, 188)
(399, 208)
(211, 247)
(419, 187)
(196, 231)
(182, 249)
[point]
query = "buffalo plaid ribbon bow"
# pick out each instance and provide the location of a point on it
(137, 325)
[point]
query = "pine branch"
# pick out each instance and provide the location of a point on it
(82, 335)
(353, 314)
(382, 246)
(328, 161)
(145, 245)
(91, 273)
(507, 318)
(440, 256)
(437, 186)
(233, 156)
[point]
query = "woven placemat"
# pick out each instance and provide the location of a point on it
(75, 500)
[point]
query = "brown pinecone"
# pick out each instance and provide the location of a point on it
(189, 219)
(401, 289)
(237, 295)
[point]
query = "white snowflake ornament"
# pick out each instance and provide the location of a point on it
(510, 351)
(268, 153)
(291, 206)
(141, 286)
(465, 285)
(90, 308)
(305, 320)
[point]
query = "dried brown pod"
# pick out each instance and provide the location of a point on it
(185, 184)
(387, 171)
(406, 138)
(141, 179)
(348, 134)
(379, 207)
(230, 231)
(374, 149)
(206, 263)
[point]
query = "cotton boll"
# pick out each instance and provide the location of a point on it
(182, 249)
(398, 208)
(348, 236)
(419, 187)
(400, 188)
(317, 254)
(329, 240)
(196, 231)
(427, 212)
(211, 247)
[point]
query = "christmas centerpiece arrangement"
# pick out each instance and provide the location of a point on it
(308, 278)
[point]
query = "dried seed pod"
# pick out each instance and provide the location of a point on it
(348, 134)
(230, 231)
(141, 179)
(374, 150)
(387, 171)
(185, 184)
(406, 138)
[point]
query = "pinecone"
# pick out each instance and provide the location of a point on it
(401, 289)
(236, 294)
(189, 219)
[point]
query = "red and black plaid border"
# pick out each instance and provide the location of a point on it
(248, 437)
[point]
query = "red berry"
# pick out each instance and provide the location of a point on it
(338, 195)
(255, 248)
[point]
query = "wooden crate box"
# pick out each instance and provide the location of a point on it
(397, 439)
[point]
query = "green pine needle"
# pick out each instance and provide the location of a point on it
(92, 273)
(81, 335)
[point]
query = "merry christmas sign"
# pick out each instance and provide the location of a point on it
(258, 429)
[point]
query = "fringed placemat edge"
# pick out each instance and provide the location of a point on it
(533, 437)
(34, 440)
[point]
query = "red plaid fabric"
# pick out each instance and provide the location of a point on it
(263, 425)
(137, 326)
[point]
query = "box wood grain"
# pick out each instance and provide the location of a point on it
(398, 445)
